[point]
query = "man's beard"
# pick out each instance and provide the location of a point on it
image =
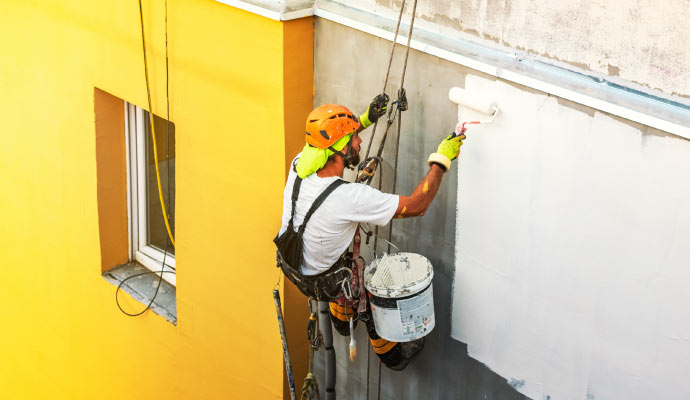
(352, 157)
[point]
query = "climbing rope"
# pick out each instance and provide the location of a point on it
(368, 168)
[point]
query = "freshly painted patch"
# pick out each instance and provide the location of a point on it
(573, 250)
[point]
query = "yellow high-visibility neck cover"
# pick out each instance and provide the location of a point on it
(313, 158)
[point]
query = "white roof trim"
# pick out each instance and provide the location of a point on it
(634, 105)
(281, 10)
(651, 109)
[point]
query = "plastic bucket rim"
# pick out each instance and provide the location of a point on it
(400, 291)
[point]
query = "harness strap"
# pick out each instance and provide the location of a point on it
(290, 243)
(295, 194)
(319, 200)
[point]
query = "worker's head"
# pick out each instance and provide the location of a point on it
(328, 123)
(331, 132)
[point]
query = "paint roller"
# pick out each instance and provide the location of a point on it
(466, 100)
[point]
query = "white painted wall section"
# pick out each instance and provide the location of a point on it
(573, 251)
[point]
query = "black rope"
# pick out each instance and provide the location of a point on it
(395, 177)
(401, 103)
(388, 71)
(155, 294)
(395, 112)
(368, 362)
(395, 40)
(167, 157)
(376, 240)
(378, 387)
(409, 40)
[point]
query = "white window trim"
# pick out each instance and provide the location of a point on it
(137, 206)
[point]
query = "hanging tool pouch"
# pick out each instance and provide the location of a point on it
(326, 286)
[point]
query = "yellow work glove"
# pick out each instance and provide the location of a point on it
(447, 151)
(376, 109)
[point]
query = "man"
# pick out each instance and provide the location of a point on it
(314, 255)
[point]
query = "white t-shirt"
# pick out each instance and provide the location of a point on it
(331, 228)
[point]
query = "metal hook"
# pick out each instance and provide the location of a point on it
(402, 100)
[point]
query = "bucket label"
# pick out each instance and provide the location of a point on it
(417, 313)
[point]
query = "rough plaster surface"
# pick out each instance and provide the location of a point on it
(573, 247)
(639, 41)
(350, 69)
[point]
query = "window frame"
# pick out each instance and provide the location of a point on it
(137, 204)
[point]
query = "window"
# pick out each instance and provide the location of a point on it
(148, 236)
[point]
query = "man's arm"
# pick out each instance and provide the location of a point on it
(417, 203)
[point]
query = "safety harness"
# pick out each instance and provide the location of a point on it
(330, 285)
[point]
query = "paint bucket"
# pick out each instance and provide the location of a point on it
(401, 296)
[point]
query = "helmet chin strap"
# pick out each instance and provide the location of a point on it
(350, 159)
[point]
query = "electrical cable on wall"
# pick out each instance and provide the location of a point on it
(148, 94)
(169, 238)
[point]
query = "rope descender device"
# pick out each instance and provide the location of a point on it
(401, 102)
(368, 167)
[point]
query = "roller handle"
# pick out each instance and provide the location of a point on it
(459, 130)
(465, 100)
(460, 127)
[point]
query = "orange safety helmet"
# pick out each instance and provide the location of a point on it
(329, 123)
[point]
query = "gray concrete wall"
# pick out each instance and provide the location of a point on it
(573, 162)
(350, 69)
(641, 42)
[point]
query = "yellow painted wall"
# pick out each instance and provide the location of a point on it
(61, 335)
(298, 68)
